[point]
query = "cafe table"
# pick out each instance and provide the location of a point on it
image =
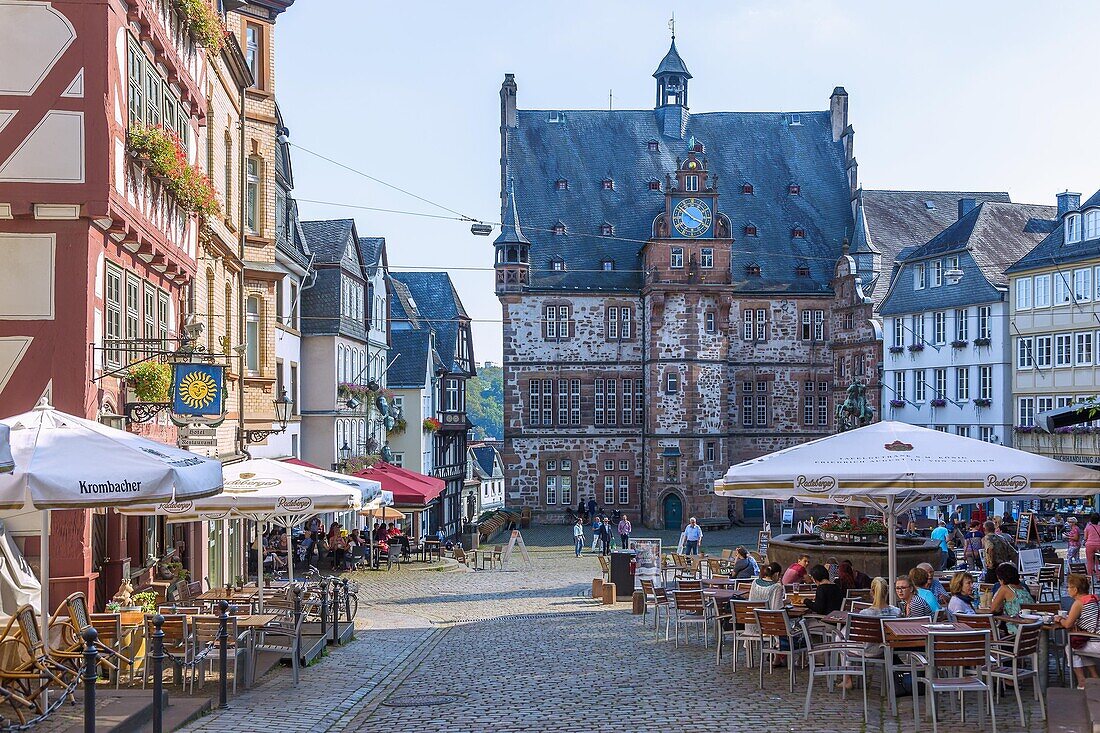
(721, 582)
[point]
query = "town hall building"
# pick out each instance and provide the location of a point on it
(670, 284)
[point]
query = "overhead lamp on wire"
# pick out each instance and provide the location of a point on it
(953, 276)
(481, 229)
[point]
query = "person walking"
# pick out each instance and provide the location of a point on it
(592, 511)
(693, 537)
(605, 537)
(597, 527)
(578, 536)
(624, 532)
(1073, 540)
(941, 534)
(1091, 536)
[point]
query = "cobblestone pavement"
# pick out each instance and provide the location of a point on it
(527, 650)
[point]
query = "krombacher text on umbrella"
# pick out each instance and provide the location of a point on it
(110, 487)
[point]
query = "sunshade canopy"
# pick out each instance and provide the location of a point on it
(269, 490)
(410, 490)
(67, 462)
(907, 463)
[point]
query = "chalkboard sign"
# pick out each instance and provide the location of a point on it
(1026, 529)
(762, 541)
(787, 518)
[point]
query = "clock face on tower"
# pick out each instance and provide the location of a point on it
(691, 217)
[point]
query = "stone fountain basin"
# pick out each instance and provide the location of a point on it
(871, 558)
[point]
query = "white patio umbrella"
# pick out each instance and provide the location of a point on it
(893, 466)
(266, 490)
(67, 462)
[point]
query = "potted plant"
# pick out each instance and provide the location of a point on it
(938, 402)
(146, 600)
(897, 403)
(432, 425)
(916, 348)
(202, 23)
(150, 380)
(982, 402)
(896, 349)
(164, 158)
(984, 341)
(113, 607)
(959, 343)
(173, 570)
(1025, 429)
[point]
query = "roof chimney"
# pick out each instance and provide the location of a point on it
(838, 112)
(966, 206)
(1068, 202)
(508, 101)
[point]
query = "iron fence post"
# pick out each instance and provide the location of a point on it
(91, 676)
(335, 611)
(158, 674)
(223, 654)
(347, 602)
(324, 609)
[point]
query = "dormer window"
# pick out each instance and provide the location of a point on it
(561, 185)
(691, 183)
(746, 188)
(794, 119)
(1073, 228)
(654, 184)
(798, 233)
(653, 146)
(794, 189)
(752, 269)
(555, 116)
(606, 230)
(558, 229)
(802, 270)
(608, 265)
(750, 230)
(557, 265)
(608, 184)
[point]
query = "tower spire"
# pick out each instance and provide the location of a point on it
(510, 230)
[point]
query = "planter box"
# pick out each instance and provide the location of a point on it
(845, 538)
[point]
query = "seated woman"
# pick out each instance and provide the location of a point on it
(767, 588)
(829, 596)
(961, 588)
(1083, 616)
(1010, 595)
(880, 607)
(743, 567)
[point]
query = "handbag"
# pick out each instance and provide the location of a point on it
(1079, 642)
(903, 684)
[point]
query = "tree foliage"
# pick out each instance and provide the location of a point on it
(485, 403)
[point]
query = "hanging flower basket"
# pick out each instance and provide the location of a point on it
(959, 343)
(361, 463)
(165, 160)
(399, 427)
(150, 380)
(916, 347)
(938, 402)
(897, 349)
(432, 425)
(202, 23)
(897, 403)
(347, 390)
(981, 342)
(982, 402)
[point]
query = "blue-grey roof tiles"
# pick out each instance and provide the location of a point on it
(1053, 250)
(411, 359)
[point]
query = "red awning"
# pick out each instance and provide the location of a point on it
(297, 462)
(409, 489)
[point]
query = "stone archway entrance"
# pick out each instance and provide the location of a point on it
(672, 511)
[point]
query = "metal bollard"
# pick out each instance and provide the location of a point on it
(91, 676)
(324, 609)
(335, 611)
(347, 603)
(223, 654)
(158, 674)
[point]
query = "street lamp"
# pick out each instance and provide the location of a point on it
(282, 416)
(282, 409)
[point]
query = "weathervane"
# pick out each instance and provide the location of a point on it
(672, 26)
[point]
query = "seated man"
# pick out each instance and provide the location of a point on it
(796, 573)
(921, 580)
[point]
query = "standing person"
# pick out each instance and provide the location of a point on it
(1084, 615)
(580, 509)
(624, 533)
(605, 537)
(592, 511)
(1091, 536)
(1073, 540)
(597, 527)
(940, 534)
(972, 545)
(796, 573)
(578, 536)
(996, 550)
(693, 537)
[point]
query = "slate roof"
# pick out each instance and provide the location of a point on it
(510, 230)
(986, 239)
(370, 253)
(888, 222)
(411, 350)
(1054, 251)
(328, 238)
(430, 298)
(672, 63)
(484, 455)
(322, 313)
(294, 245)
(758, 148)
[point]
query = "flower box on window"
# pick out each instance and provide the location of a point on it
(897, 403)
(959, 343)
(916, 347)
(981, 342)
(896, 349)
(203, 23)
(938, 402)
(162, 155)
(432, 425)
(982, 402)
(1025, 429)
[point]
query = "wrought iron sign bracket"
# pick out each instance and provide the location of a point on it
(139, 412)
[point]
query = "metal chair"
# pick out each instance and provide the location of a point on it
(867, 632)
(981, 622)
(775, 626)
(1049, 582)
(289, 632)
(690, 610)
(205, 630)
(1008, 663)
(840, 651)
(745, 631)
(963, 660)
(655, 600)
(177, 643)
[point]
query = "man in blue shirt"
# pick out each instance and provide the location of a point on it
(921, 580)
(693, 537)
(940, 534)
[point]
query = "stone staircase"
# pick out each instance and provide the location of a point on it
(1074, 711)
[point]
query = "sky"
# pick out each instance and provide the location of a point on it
(982, 96)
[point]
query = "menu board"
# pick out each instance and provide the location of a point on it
(788, 518)
(1026, 531)
(762, 540)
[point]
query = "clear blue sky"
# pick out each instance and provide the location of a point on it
(993, 96)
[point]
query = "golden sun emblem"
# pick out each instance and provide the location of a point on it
(197, 390)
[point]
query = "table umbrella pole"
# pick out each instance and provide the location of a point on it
(260, 568)
(289, 558)
(892, 546)
(44, 576)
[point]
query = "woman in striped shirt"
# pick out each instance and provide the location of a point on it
(1084, 616)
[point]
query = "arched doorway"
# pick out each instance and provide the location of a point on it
(672, 509)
